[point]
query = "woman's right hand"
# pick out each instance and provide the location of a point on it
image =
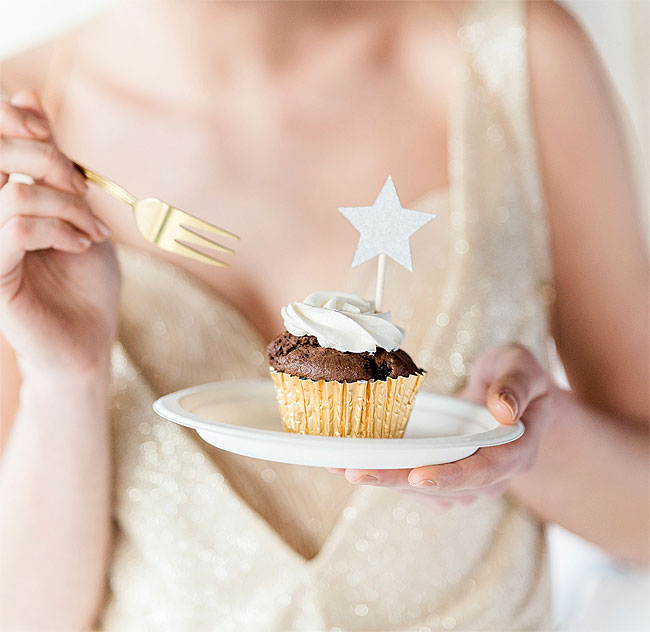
(59, 278)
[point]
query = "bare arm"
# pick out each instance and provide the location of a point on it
(54, 473)
(591, 476)
(54, 494)
(9, 387)
(599, 254)
(592, 471)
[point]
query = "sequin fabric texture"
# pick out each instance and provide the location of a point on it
(210, 541)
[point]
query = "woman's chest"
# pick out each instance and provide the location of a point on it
(275, 179)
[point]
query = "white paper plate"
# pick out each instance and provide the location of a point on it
(243, 417)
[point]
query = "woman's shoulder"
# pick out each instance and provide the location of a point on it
(28, 69)
(571, 96)
(573, 103)
(558, 46)
(31, 69)
(553, 17)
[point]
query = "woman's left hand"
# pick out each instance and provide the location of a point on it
(511, 383)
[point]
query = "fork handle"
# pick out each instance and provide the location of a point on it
(109, 186)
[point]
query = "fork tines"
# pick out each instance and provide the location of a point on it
(190, 237)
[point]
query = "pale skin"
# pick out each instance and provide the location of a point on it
(583, 460)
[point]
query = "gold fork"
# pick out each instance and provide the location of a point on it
(169, 228)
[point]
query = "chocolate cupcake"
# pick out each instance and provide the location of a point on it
(302, 356)
(338, 369)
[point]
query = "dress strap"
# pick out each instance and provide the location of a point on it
(493, 38)
(494, 42)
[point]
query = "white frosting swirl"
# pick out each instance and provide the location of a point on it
(345, 322)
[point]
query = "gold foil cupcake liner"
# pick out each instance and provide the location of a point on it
(376, 409)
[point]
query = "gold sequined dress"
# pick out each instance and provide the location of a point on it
(207, 540)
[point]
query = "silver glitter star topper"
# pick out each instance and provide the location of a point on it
(385, 229)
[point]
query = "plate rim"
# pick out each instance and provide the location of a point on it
(168, 407)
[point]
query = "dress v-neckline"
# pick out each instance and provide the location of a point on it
(329, 544)
(259, 522)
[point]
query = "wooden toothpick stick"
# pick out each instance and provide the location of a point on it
(379, 291)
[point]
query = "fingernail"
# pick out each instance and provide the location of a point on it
(509, 400)
(37, 126)
(367, 478)
(426, 483)
(102, 228)
(79, 183)
(84, 242)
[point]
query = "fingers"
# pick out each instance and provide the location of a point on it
(51, 213)
(27, 146)
(446, 487)
(478, 470)
(22, 123)
(482, 469)
(22, 234)
(507, 379)
(386, 478)
(485, 468)
(36, 200)
(28, 99)
(42, 161)
(519, 380)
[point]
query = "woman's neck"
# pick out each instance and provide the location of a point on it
(191, 49)
(273, 33)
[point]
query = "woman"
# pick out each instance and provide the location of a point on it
(263, 118)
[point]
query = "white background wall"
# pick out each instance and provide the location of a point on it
(591, 593)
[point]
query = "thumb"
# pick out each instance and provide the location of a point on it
(518, 381)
